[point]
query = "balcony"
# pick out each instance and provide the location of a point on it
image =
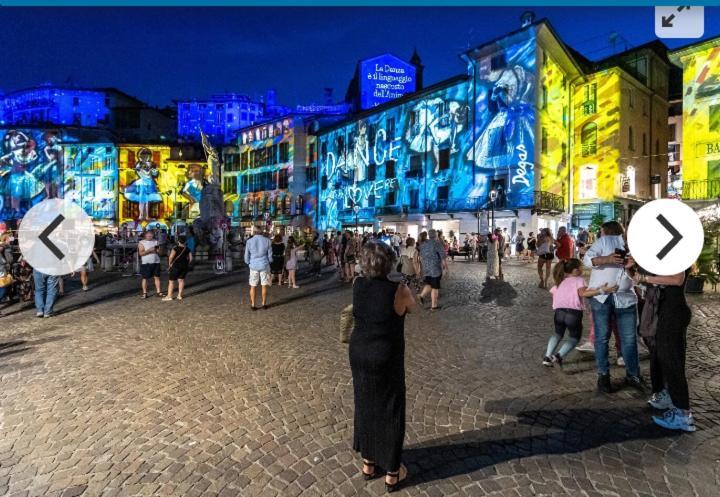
(589, 107)
(708, 189)
(589, 149)
(548, 203)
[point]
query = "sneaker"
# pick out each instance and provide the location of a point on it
(621, 362)
(39, 314)
(661, 400)
(603, 383)
(47, 315)
(674, 419)
(85, 288)
(557, 359)
(636, 382)
(587, 347)
(167, 299)
(547, 362)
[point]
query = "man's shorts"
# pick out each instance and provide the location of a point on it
(261, 277)
(433, 281)
(148, 271)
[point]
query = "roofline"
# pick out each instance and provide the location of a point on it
(678, 52)
(393, 103)
(506, 35)
(645, 46)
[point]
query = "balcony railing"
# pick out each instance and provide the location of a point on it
(589, 149)
(708, 189)
(549, 202)
(589, 107)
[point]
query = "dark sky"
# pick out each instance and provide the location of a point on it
(162, 54)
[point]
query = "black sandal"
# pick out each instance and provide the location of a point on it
(371, 476)
(398, 485)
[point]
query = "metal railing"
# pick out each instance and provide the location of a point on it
(589, 107)
(549, 202)
(707, 189)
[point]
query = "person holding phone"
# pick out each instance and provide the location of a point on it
(149, 249)
(607, 257)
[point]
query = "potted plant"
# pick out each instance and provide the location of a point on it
(705, 269)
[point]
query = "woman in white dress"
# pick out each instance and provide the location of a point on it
(493, 262)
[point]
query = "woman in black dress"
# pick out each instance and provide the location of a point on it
(377, 360)
(277, 265)
(178, 267)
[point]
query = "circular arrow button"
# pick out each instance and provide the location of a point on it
(56, 237)
(665, 237)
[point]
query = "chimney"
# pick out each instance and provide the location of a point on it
(527, 18)
(328, 94)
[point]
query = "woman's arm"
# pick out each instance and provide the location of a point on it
(674, 280)
(593, 292)
(172, 257)
(404, 301)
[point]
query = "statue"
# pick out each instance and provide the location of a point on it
(212, 207)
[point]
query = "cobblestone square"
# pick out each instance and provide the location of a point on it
(118, 396)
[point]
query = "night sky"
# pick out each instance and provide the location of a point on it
(173, 53)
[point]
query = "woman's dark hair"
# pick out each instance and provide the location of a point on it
(565, 267)
(376, 259)
(410, 242)
(182, 239)
(612, 228)
(277, 238)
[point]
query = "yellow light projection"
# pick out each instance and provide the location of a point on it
(555, 121)
(150, 184)
(701, 119)
(597, 138)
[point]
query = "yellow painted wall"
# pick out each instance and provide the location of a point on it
(607, 119)
(169, 179)
(553, 167)
(701, 89)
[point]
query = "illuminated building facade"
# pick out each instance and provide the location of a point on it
(55, 105)
(90, 178)
(265, 178)
(431, 158)
(701, 120)
(675, 123)
(620, 132)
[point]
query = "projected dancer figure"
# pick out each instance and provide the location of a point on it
(18, 184)
(144, 190)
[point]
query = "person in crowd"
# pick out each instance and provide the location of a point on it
(409, 262)
(502, 239)
(434, 261)
(606, 257)
(545, 248)
(493, 256)
(396, 243)
(316, 257)
(565, 248)
(23, 276)
(178, 266)
(350, 255)
(45, 293)
(5, 282)
(191, 241)
(291, 261)
(454, 248)
(520, 245)
(149, 252)
(327, 251)
(277, 265)
(258, 254)
(86, 269)
(377, 362)
(506, 243)
(568, 292)
(583, 238)
(531, 246)
(664, 323)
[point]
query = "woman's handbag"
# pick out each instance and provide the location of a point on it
(347, 323)
(6, 280)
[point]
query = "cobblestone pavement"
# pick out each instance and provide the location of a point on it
(203, 397)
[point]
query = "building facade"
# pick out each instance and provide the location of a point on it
(60, 106)
(701, 120)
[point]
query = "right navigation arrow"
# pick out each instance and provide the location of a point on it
(676, 237)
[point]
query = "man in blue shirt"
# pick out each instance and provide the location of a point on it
(258, 254)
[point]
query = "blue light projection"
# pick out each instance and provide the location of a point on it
(426, 155)
(91, 178)
(385, 78)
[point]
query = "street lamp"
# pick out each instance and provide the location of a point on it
(356, 210)
(493, 197)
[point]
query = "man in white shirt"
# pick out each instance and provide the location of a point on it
(148, 249)
(606, 257)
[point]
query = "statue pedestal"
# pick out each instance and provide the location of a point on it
(212, 205)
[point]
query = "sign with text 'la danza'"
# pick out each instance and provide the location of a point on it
(385, 78)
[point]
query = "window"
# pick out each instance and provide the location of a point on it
(443, 193)
(230, 184)
(565, 116)
(588, 138)
(371, 172)
(244, 116)
(390, 169)
(631, 139)
(390, 128)
(631, 98)
(544, 97)
(672, 130)
(284, 152)
(563, 159)
(588, 182)
(444, 159)
(283, 179)
(310, 174)
(590, 103)
(498, 62)
(390, 198)
(371, 200)
(714, 115)
(415, 198)
(544, 141)
(416, 166)
(629, 181)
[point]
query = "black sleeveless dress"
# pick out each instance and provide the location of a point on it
(377, 360)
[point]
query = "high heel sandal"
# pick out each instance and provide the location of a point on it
(371, 476)
(398, 485)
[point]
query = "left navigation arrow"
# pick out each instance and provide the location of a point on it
(44, 237)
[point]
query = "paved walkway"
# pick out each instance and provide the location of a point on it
(203, 397)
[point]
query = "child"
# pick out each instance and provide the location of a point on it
(567, 295)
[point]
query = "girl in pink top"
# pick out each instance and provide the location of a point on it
(569, 289)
